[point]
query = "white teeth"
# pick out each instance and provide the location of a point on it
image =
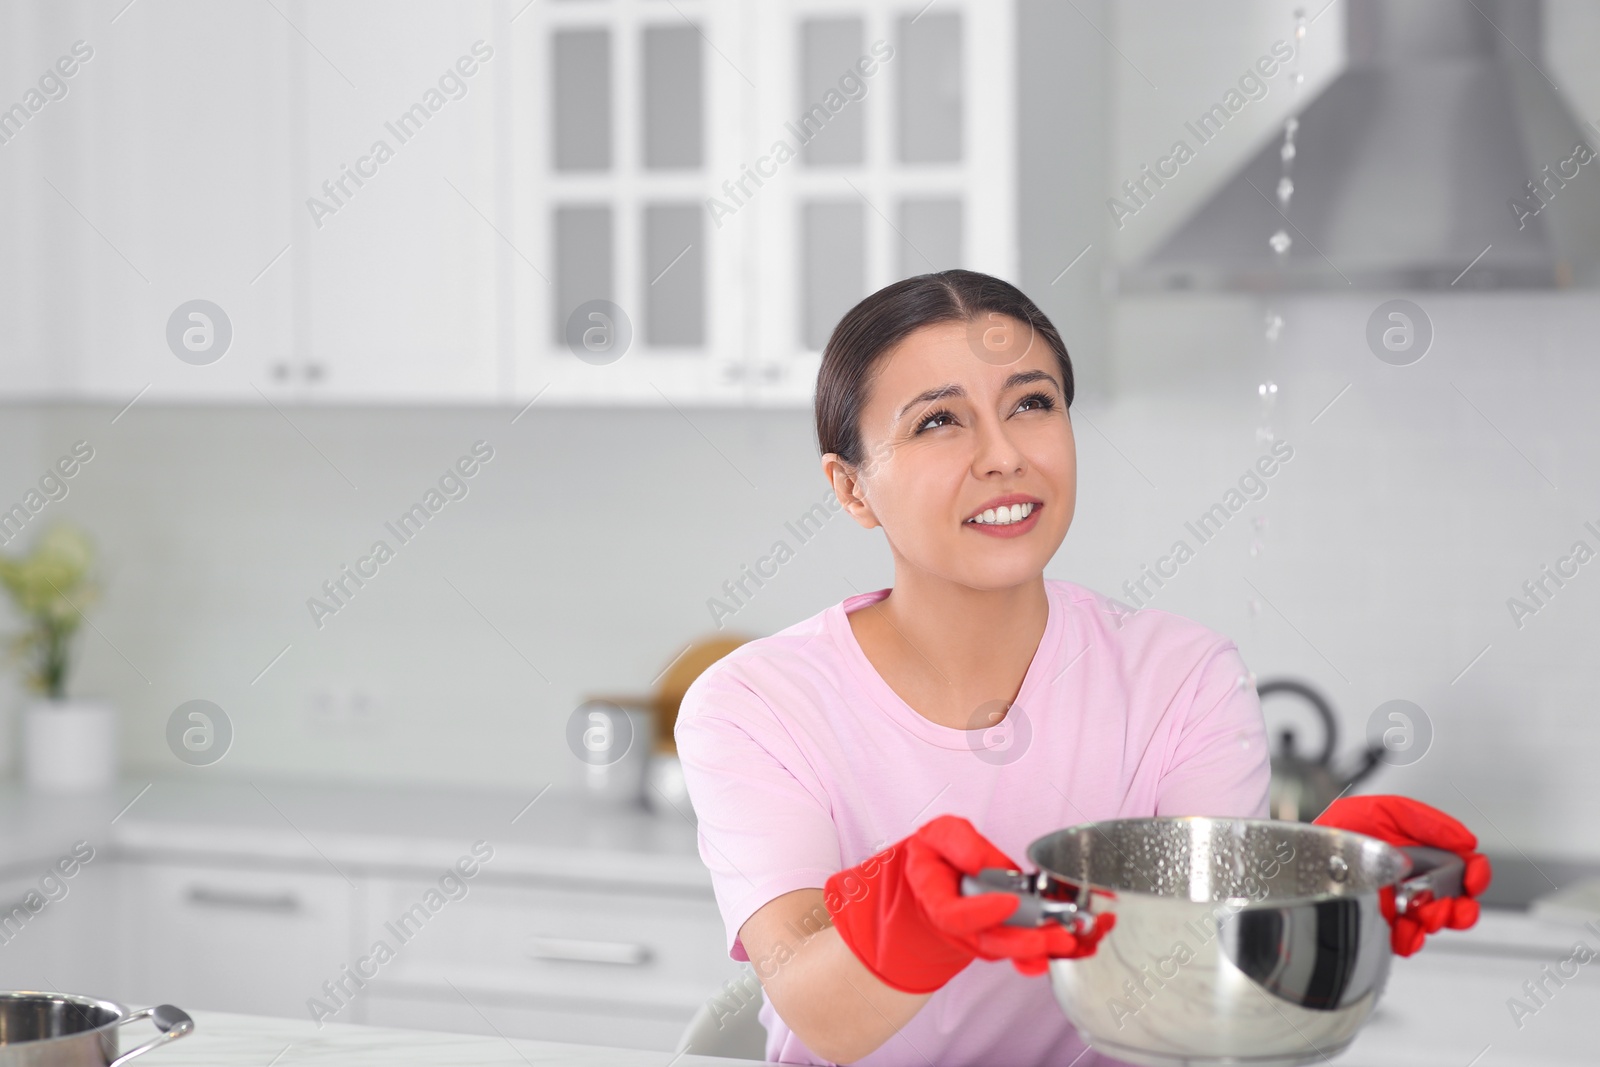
(1003, 516)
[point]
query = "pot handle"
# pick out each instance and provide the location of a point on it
(1032, 909)
(172, 1022)
(1436, 873)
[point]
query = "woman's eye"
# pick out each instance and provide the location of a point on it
(1037, 402)
(936, 420)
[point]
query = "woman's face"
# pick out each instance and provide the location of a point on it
(966, 428)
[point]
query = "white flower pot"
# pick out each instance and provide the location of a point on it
(70, 746)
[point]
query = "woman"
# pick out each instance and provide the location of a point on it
(849, 769)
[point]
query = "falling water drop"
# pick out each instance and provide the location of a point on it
(1268, 392)
(1280, 243)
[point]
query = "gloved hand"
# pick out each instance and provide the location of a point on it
(903, 915)
(1402, 821)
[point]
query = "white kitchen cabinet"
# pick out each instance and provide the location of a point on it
(60, 941)
(904, 170)
(624, 151)
(626, 116)
(183, 166)
(558, 960)
(246, 938)
(554, 959)
(161, 177)
(397, 194)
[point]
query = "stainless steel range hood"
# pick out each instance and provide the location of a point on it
(1408, 166)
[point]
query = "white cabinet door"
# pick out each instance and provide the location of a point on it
(187, 176)
(256, 940)
(55, 930)
(159, 178)
(560, 962)
(397, 199)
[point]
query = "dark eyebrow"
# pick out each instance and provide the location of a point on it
(1026, 376)
(930, 396)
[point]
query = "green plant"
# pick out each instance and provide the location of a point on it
(49, 586)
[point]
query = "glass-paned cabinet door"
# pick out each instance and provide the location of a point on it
(627, 286)
(884, 145)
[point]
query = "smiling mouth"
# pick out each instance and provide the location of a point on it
(1005, 516)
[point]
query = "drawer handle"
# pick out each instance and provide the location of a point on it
(228, 898)
(622, 953)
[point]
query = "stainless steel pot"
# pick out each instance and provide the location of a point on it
(61, 1030)
(1237, 941)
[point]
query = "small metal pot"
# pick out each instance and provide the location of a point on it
(61, 1030)
(1237, 941)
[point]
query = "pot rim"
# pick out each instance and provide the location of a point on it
(122, 1012)
(1090, 892)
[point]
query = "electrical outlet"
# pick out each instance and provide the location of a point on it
(342, 707)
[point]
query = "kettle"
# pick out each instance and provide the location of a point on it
(1302, 786)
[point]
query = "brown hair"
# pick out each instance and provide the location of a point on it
(887, 317)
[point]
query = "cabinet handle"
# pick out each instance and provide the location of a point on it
(623, 953)
(229, 898)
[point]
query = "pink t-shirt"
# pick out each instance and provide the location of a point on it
(801, 761)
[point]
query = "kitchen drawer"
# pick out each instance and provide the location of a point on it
(257, 940)
(582, 1024)
(663, 951)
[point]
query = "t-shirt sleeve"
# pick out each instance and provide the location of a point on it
(765, 828)
(1220, 765)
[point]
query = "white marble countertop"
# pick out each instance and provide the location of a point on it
(547, 832)
(1446, 1007)
(224, 1040)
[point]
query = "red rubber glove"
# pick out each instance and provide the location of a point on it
(1402, 821)
(903, 915)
